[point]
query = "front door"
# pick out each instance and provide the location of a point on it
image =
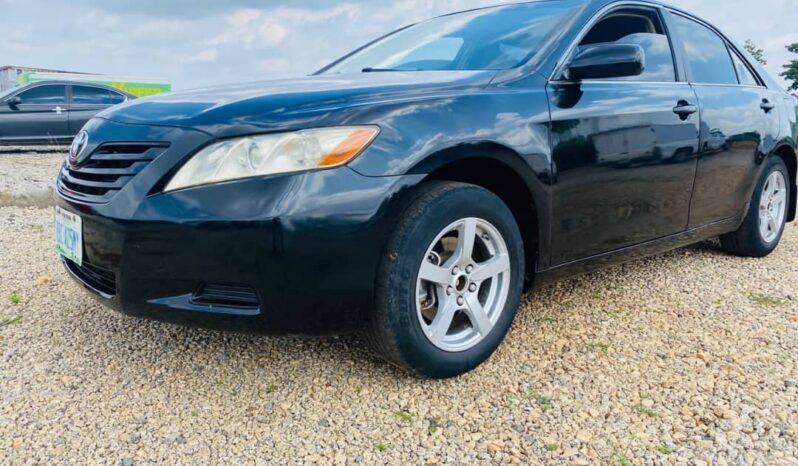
(40, 116)
(624, 150)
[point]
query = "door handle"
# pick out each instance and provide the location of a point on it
(58, 110)
(684, 109)
(767, 105)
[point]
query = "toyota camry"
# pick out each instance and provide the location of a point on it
(415, 188)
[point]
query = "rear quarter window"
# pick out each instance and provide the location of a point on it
(744, 73)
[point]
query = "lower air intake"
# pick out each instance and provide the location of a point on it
(100, 280)
(226, 296)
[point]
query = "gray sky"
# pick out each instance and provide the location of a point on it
(196, 43)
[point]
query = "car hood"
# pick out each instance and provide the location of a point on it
(291, 103)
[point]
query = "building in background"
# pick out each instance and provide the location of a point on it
(11, 76)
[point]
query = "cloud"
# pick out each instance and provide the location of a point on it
(205, 42)
(204, 56)
(276, 66)
(17, 41)
(251, 29)
(265, 28)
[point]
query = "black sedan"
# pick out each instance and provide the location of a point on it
(52, 112)
(413, 189)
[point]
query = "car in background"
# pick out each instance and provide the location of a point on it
(52, 112)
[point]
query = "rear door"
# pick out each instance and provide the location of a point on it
(40, 116)
(624, 149)
(738, 123)
(86, 101)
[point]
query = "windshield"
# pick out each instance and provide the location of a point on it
(488, 39)
(6, 92)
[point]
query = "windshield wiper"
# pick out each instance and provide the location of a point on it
(382, 70)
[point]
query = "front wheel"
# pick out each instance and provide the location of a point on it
(763, 226)
(450, 281)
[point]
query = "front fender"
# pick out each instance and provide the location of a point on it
(508, 123)
(411, 132)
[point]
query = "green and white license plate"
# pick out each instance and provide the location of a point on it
(69, 235)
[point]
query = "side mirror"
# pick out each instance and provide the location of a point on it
(600, 61)
(14, 101)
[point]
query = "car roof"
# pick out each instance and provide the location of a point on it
(74, 83)
(595, 4)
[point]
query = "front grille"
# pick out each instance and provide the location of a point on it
(97, 278)
(107, 170)
(226, 296)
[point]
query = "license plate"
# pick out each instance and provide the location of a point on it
(69, 235)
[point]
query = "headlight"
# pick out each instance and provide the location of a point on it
(273, 153)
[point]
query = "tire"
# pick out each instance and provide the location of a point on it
(750, 240)
(402, 329)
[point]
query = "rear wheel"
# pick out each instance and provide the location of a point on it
(763, 226)
(450, 281)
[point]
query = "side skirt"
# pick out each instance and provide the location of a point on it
(649, 248)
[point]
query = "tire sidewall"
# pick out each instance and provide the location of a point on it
(421, 354)
(773, 164)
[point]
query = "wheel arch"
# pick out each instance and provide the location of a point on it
(505, 173)
(787, 154)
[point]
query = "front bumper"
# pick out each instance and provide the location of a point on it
(307, 245)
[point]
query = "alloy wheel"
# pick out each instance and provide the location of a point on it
(772, 205)
(463, 284)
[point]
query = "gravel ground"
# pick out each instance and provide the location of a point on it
(684, 358)
(26, 178)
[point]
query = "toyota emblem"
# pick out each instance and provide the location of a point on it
(78, 147)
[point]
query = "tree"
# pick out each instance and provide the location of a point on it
(755, 51)
(791, 69)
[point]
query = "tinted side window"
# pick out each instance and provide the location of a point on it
(642, 28)
(705, 52)
(44, 95)
(744, 73)
(95, 96)
(659, 59)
